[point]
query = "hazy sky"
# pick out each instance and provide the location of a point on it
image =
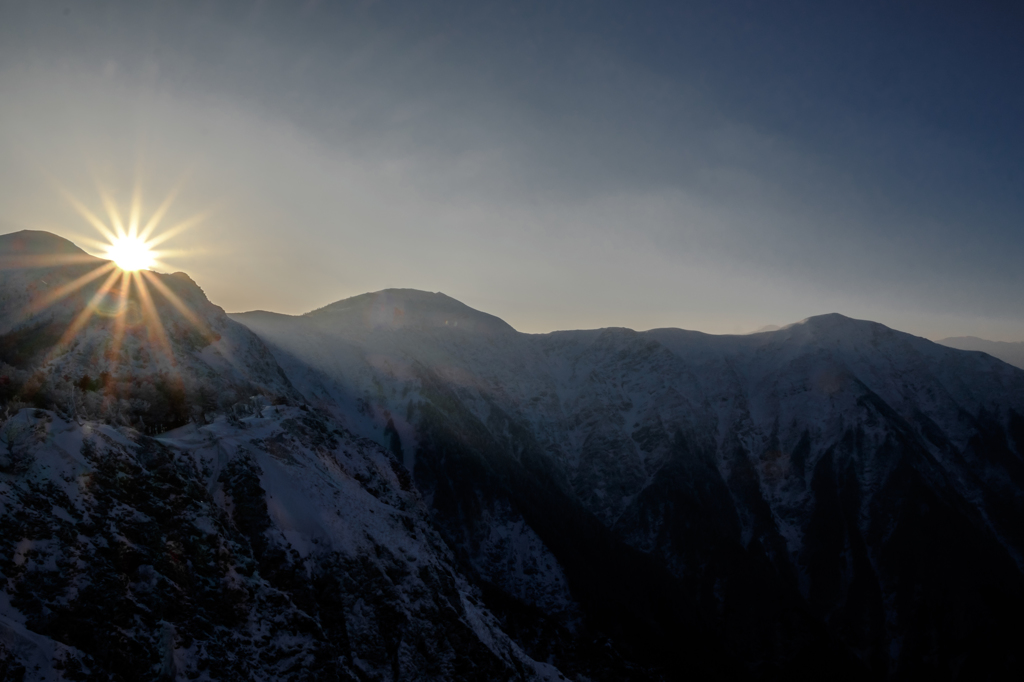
(708, 165)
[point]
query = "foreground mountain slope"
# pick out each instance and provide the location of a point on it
(834, 493)
(269, 547)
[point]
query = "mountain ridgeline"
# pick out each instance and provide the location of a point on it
(397, 486)
(1010, 353)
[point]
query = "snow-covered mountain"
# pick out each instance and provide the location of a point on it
(1011, 353)
(397, 486)
(834, 494)
(258, 540)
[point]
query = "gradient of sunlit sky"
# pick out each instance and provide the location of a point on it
(709, 165)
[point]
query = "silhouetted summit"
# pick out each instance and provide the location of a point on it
(408, 309)
(37, 242)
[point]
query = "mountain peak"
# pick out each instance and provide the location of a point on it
(409, 308)
(828, 319)
(35, 243)
(105, 347)
(36, 248)
(836, 323)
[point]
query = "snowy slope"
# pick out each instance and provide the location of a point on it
(269, 547)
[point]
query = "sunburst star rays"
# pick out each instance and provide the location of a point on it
(129, 242)
(133, 245)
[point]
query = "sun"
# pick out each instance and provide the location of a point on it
(128, 243)
(131, 253)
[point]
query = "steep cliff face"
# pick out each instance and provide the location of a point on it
(834, 493)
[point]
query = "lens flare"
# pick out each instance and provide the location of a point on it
(131, 254)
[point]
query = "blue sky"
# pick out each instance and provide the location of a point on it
(708, 165)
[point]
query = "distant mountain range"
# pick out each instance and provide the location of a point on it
(399, 486)
(1011, 353)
